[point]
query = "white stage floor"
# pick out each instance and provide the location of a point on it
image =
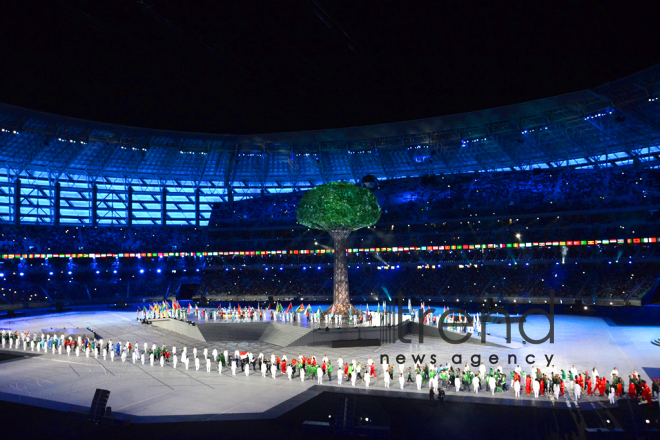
(153, 393)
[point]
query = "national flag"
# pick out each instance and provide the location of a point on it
(138, 310)
(279, 308)
(268, 306)
(243, 354)
(377, 307)
(332, 311)
(189, 308)
(290, 307)
(301, 308)
(239, 309)
(219, 306)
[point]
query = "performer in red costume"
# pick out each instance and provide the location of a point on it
(528, 384)
(632, 391)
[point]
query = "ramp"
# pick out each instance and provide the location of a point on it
(269, 332)
(283, 335)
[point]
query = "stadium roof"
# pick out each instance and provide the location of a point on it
(616, 123)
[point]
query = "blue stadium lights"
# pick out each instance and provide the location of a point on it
(10, 131)
(72, 141)
(21, 274)
(598, 115)
(654, 99)
(158, 270)
(69, 272)
(49, 273)
(2, 275)
(304, 267)
(141, 270)
(266, 268)
(466, 142)
(114, 271)
(533, 130)
(281, 268)
(319, 268)
(98, 272)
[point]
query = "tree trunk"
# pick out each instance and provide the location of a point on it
(341, 299)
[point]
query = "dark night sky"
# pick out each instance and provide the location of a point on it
(267, 66)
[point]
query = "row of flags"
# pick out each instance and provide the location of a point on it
(164, 307)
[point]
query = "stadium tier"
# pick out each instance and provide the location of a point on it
(558, 196)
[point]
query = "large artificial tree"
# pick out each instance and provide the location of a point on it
(339, 208)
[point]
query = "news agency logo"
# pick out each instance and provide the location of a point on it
(470, 322)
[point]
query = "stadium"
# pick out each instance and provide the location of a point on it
(492, 223)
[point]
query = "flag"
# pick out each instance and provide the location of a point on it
(409, 306)
(290, 307)
(377, 307)
(279, 308)
(332, 311)
(138, 310)
(268, 306)
(243, 354)
(302, 308)
(318, 311)
(239, 309)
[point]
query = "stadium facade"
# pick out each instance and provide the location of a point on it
(59, 170)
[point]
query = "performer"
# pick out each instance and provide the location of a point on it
(537, 388)
(196, 362)
(528, 384)
(476, 383)
(174, 361)
(516, 387)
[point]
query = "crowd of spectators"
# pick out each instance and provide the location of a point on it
(533, 279)
(459, 196)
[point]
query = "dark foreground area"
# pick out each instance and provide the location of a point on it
(406, 418)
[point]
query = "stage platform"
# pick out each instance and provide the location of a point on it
(147, 394)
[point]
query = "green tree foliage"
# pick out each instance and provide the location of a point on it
(338, 206)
